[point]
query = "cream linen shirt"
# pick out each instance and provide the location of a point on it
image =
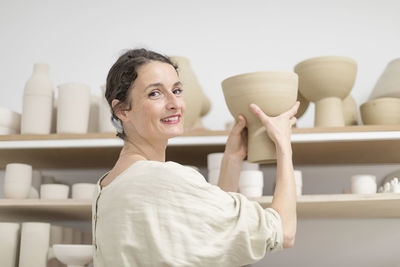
(166, 214)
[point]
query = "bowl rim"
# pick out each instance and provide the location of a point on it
(323, 59)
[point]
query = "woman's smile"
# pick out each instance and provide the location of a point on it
(174, 119)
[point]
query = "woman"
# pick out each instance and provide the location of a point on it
(149, 212)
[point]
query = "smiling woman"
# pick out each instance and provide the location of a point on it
(148, 212)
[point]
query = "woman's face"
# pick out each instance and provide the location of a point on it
(157, 103)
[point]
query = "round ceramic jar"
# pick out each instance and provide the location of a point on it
(363, 184)
(251, 183)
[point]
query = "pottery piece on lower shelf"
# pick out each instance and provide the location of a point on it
(73, 255)
(363, 184)
(381, 111)
(17, 180)
(251, 183)
(83, 190)
(9, 243)
(35, 239)
(214, 161)
(54, 191)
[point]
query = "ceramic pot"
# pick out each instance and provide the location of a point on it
(350, 111)
(327, 81)
(213, 176)
(10, 119)
(37, 104)
(251, 183)
(105, 125)
(9, 244)
(36, 179)
(388, 84)
(93, 124)
(83, 190)
(363, 184)
(17, 180)
(73, 108)
(54, 191)
(381, 111)
(214, 161)
(274, 92)
(304, 103)
(192, 92)
(35, 239)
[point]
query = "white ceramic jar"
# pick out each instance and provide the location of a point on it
(93, 124)
(54, 191)
(214, 161)
(83, 190)
(363, 184)
(35, 240)
(17, 180)
(213, 176)
(37, 102)
(251, 183)
(9, 243)
(9, 120)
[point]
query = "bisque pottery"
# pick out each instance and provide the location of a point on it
(35, 239)
(17, 180)
(73, 255)
(192, 92)
(388, 84)
(10, 119)
(381, 111)
(105, 125)
(326, 81)
(251, 183)
(274, 92)
(83, 190)
(54, 191)
(37, 104)
(73, 108)
(363, 184)
(9, 244)
(350, 111)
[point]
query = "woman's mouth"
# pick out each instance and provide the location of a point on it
(171, 119)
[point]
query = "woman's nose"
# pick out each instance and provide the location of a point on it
(173, 101)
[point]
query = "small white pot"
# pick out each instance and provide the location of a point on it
(214, 161)
(213, 177)
(252, 191)
(83, 190)
(251, 183)
(17, 180)
(10, 119)
(54, 191)
(363, 184)
(9, 243)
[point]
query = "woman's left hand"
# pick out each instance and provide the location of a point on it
(236, 145)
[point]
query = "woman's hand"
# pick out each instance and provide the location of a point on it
(236, 145)
(278, 128)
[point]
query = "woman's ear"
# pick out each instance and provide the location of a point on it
(119, 111)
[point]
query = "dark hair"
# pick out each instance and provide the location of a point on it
(124, 73)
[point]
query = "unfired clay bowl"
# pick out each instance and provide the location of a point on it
(73, 255)
(381, 111)
(274, 92)
(327, 81)
(388, 84)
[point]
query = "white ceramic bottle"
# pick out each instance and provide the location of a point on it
(37, 102)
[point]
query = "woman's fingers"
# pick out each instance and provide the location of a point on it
(239, 125)
(293, 110)
(292, 121)
(259, 113)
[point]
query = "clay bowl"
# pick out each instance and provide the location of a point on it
(327, 81)
(388, 84)
(381, 111)
(274, 92)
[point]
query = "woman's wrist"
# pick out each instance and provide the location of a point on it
(284, 148)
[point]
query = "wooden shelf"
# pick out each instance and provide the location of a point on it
(340, 145)
(308, 206)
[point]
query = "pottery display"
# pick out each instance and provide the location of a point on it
(17, 180)
(388, 84)
(274, 92)
(381, 111)
(327, 81)
(83, 190)
(35, 239)
(251, 183)
(73, 255)
(10, 120)
(105, 125)
(93, 124)
(9, 244)
(37, 104)
(192, 92)
(54, 191)
(73, 108)
(298, 179)
(350, 111)
(363, 184)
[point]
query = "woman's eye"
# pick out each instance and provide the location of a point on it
(154, 94)
(178, 91)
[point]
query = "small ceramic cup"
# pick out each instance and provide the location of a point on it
(83, 190)
(17, 180)
(54, 191)
(213, 176)
(363, 184)
(214, 161)
(251, 183)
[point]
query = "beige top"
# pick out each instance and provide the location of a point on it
(166, 214)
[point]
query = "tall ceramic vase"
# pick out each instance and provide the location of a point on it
(35, 239)
(73, 108)
(327, 81)
(37, 102)
(9, 243)
(274, 92)
(105, 125)
(192, 92)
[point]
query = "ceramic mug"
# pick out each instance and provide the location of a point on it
(213, 176)
(17, 180)
(363, 184)
(54, 191)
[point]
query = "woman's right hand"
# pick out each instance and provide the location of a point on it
(278, 128)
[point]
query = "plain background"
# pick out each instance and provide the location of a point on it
(81, 39)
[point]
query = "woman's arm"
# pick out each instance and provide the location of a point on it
(284, 200)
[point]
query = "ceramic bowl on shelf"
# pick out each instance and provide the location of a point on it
(274, 92)
(17, 180)
(10, 119)
(54, 191)
(326, 81)
(388, 84)
(73, 255)
(363, 184)
(83, 190)
(381, 111)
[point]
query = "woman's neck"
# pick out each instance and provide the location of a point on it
(144, 149)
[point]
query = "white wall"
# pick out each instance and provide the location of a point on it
(81, 39)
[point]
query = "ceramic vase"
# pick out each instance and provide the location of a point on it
(388, 84)
(274, 92)
(17, 180)
(9, 244)
(105, 125)
(37, 102)
(350, 111)
(192, 92)
(73, 108)
(326, 81)
(35, 239)
(93, 124)
(381, 111)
